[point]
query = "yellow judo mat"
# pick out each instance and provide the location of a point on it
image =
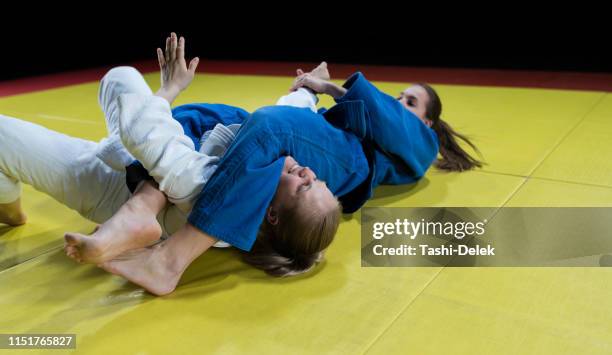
(542, 148)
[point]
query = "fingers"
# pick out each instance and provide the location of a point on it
(295, 86)
(180, 50)
(298, 83)
(193, 65)
(167, 51)
(175, 50)
(307, 81)
(173, 45)
(300, 72)
(160, 58)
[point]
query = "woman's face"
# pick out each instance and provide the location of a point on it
(299, 185)
(415, 100)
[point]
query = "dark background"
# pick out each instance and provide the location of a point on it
(48, 48)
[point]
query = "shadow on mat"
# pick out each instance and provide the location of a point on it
(394, 193)
(13, 252)
(5, 229)
(215, 271)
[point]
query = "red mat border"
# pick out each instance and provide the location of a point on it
(475, 77)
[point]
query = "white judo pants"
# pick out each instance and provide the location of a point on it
(63, 167)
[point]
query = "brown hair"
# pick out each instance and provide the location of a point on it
(454, 157)
(296, 243)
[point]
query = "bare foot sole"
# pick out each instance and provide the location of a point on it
(147, 268)
(123, 232)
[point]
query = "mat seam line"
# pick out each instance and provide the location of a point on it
(563, 139)
(32, 258)
(545, 179)
(402, 311)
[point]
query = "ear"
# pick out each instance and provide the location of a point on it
(272, 215)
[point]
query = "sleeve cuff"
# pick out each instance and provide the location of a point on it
(352, 87)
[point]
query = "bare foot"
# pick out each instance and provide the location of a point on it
(12, 214)
(321, 72)
(132, 227)
(149, 268)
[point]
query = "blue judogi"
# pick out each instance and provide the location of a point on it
(372, 140)
(233, 202)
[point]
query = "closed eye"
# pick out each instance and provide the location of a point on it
(412, 101)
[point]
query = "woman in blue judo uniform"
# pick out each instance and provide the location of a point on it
(394, 141)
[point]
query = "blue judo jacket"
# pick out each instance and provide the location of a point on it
(368, 138)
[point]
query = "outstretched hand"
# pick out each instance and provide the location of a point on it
(175, 75)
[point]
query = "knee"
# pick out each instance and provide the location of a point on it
(120, 74)
(121, 80)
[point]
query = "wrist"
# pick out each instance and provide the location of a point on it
(171, 89)
(168, 93)
(328, 88)
(334, 90)
(311, 91)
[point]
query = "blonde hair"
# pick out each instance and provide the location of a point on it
(296, 243)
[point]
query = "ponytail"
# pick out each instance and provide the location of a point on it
(454, 157)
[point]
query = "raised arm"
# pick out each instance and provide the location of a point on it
(175, 75)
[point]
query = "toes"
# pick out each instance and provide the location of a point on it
(73, 253)
(75, 256)
(68, 248)
(72, 239)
